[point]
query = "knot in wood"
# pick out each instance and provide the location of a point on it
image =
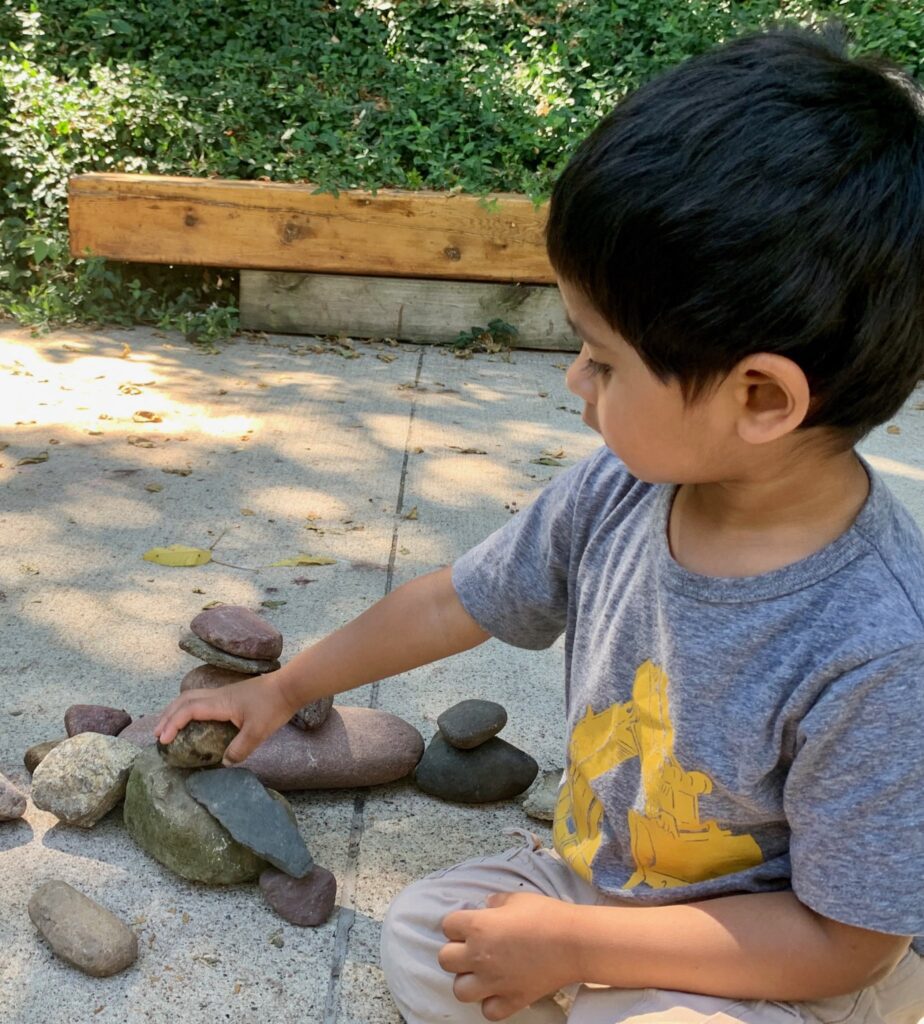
(452, 252)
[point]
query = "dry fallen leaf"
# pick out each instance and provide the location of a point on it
(417, 451)
(893, 429)
(546, 461)
(141, 442)
(412, 514)
(146, 416)
(385, 357)
(272, 604)
(126, 350)
(248, 512)
(129, 389)
(468, 451)
(212, 604)
(178, 471)
(178, 555)
(95, 433)
(153, 488)
(306, 560)
(29, 460)
(554, 453)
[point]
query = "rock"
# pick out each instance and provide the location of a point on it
(95, 718)
(239, 631)
(539, 802)
(80, 931)
(208, 677)
(34, 756)
(199, 744)
(12, 802)
(495, 770)
(174, 829)
(470, 722)
(198, 648)
(236, 797)
(354, 747)
(313, 715)
(306, 901)
(83, 778)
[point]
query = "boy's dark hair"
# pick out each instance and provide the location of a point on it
(767, 196)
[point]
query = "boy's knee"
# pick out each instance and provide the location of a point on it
(411, 924)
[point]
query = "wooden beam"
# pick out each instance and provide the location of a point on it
(275, 226)
(381, 307)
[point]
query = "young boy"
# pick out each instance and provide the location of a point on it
(739, 834)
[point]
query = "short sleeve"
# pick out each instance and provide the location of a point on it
(854, 798)
(514, 583)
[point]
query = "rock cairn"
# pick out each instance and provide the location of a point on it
(467, 763)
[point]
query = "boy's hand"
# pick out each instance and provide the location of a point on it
(256, 706)
(511, 954)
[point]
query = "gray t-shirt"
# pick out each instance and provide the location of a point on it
(726, 735)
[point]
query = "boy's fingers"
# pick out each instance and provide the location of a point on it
(185, 709)
(239, 748)
(456, 925)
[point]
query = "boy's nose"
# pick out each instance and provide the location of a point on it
(577, 381)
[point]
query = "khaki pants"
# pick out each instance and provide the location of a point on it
(412, 937)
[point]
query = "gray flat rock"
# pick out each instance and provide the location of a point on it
(540, 800)
(199, 744)
(80, 931)
(198, 648)
(495, 770)
(239, 631)
(237, 798)
(12, 802)
(471, 722)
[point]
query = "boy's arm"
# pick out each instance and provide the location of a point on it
(419, 622)
(753, 946)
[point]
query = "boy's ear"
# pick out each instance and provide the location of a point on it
(772, 397)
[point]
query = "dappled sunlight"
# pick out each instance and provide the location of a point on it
(893, 467)
(279, 500)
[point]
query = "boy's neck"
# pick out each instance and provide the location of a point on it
(777, 514)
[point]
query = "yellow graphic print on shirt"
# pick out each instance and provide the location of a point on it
(671, 845)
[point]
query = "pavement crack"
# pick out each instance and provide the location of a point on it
(347, 914)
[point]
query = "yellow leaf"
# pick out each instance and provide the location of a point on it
(146, 416)
(247, 512)
(306, 560)
(153, 488)
(178, 554)
(412, 514)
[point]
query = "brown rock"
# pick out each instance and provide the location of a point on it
(208, 677)
(199, 744)
(306, 901)
(34, 756)
(239, 631)
(12, 802)
(354, 747)
(95, 718)
(82, 932)
(213, 655)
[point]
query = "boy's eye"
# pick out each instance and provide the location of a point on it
(593, 368)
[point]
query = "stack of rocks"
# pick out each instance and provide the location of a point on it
(466, 762)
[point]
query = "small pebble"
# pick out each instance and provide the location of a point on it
(307, 902)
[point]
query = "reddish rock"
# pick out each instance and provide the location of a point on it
(354, 747)
(239, 631)
(12, 802)
(95, 718)
(208, 677)
(306, 901)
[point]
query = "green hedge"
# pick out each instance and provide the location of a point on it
(474, 95)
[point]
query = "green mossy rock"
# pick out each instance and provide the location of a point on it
(167, 823)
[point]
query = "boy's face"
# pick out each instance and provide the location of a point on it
(645, 422)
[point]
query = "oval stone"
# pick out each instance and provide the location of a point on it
(495, 770)
(470, 722)
(95, 718)
(12, 802)
(34, 756)
(239, 631)
(354, 747)
(208, 677)
(80, 931)
(212, 655)
(199, 744)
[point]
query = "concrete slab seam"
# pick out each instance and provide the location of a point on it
(347, 914)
